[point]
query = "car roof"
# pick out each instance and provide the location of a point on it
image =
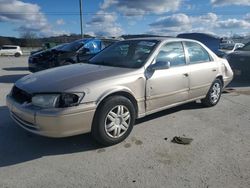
(161, 39)
(85, 40)
(210, 35)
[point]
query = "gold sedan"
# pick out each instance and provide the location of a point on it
(130, 79)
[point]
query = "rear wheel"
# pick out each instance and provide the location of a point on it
(17, 54)
(114, 120)
(214, 94)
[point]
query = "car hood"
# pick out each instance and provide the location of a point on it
(68, 77)
(47, 54)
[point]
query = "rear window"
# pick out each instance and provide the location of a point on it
(196, 53)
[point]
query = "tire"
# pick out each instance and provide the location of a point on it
(17, 54)
(214, 94)
(113, 121)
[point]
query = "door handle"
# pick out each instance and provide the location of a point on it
(185, 74)
(214, 70)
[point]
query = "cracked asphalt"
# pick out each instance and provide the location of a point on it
(219, 155)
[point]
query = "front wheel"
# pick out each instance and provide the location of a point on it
(214, 94)
(114, 120)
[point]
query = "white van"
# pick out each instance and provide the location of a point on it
(11, 50)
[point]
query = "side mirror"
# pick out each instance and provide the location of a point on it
(160, 65)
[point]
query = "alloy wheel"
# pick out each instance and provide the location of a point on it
(117, 121)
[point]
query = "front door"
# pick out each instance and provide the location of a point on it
(168, 86)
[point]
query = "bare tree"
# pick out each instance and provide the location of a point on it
(30, 39)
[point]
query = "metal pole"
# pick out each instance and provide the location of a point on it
(80, 1)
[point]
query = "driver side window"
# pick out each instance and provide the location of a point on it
(173, 53)
(92, 46)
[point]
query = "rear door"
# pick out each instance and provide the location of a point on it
(168, 86)
(202, 69)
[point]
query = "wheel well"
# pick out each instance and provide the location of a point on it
(124, 94)
(221, 79)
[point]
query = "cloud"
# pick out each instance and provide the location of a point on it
(107, 3)
(27, 15)
(209, 18)
(230, 2)
(141, 7)
(60, 22)
(102, 17)
(247, 17)
(176, 21)
(104, 24)
(170, 25)
(208, 23)
(18, 10)
(233, 24)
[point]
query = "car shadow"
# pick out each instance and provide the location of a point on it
(16, 69)
(239, 84)
(11, 78)
(188, 106)
(18, 146)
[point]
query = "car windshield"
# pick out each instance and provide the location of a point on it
(59, 47)
(73, 46)
(127, 54)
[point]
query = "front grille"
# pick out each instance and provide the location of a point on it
(20, 96)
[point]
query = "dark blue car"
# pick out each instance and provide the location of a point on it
(70, 53)
(211, 41)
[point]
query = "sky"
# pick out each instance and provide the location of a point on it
(118, 17)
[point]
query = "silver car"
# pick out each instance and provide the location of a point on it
(128, 80)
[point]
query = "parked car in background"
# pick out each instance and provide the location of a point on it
(11, 50)
(74, 52)
(127, 80)
(211, 41)
(240, 62)
(229, 48)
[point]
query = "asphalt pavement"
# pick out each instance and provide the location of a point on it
(218, 156)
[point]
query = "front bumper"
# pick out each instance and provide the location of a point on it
(60, 122)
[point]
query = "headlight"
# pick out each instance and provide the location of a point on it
(45, 100)
(70, 99)
(57, 100)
